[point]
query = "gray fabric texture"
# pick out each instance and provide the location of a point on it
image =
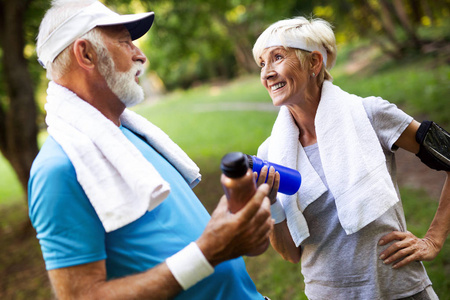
(340, 266)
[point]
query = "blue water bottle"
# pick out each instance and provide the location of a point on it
(290, 179)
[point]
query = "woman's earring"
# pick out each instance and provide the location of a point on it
(313, 74)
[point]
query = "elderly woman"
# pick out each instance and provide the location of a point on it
(346, 223)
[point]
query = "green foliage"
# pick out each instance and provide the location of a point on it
(199, 40)
(210, 121)
(420, 86)
(205, 123)
(10, 189)
(32, 18)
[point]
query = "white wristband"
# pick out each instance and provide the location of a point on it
(189, 266)
(277, 211)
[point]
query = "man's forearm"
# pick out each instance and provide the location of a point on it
(89, 282)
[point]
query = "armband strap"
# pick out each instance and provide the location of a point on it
(189, 266)
(434, 146)
(277, 211)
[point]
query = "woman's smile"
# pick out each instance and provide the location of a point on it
(277, 86)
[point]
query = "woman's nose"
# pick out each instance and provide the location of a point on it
(267, 73)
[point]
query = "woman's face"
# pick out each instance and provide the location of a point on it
(282, 75)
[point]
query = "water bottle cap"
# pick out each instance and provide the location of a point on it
(234, 164)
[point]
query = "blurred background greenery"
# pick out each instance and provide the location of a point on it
(204, 91)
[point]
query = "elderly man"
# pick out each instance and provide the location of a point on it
(109, 193)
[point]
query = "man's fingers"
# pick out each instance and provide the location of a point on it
(252, 207)
(221, 208)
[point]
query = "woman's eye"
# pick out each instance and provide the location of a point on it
(278, 57)
(262, 65)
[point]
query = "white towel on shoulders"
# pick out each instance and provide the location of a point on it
(352, 158)
(283, 147)
(119, 182)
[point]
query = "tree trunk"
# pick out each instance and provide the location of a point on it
(389, 27)
(244, 56)
(242, 46)
(406, 24)
(18, 126)
(386, 19)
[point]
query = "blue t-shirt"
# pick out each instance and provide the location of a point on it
(70, 232)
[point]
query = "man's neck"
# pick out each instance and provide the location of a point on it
(99, 95)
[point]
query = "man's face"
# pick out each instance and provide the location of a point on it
(121, 63)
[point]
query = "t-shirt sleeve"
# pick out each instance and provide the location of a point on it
(387, 119)
(69, 231)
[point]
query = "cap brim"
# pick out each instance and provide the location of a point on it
(137, 24)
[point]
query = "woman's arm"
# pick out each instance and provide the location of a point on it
(282, 242)
(407, 247)
(280, 237)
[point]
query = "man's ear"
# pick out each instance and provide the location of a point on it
(85, 54)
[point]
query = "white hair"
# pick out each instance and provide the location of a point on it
(315, 32)
(60, 11)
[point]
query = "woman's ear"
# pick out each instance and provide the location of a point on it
(316, 62)
(85, 54)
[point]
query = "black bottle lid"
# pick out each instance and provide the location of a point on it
(234, 164)
(250, 161)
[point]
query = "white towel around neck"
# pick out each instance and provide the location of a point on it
(119, 182)
(352, 158)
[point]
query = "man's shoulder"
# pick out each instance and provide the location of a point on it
(51, 159)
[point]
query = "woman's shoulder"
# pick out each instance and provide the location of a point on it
(263, 149)
(381, 110)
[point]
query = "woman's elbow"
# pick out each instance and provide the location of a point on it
(292, 256)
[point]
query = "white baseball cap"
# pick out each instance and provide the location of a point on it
(86, 19)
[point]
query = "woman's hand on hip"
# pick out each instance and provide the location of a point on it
(406, 248)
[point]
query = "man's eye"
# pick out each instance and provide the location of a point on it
(278, 57)
(262, 65)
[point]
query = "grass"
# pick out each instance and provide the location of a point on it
(211, 120)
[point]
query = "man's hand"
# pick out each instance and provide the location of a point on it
(406, 249)
(228, 235)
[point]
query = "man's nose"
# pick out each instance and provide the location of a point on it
(139, 55)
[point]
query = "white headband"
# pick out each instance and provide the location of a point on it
(297, 43)
(91, 16)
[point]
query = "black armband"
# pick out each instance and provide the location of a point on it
(434, 146)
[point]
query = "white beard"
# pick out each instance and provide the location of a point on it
(122, 84)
